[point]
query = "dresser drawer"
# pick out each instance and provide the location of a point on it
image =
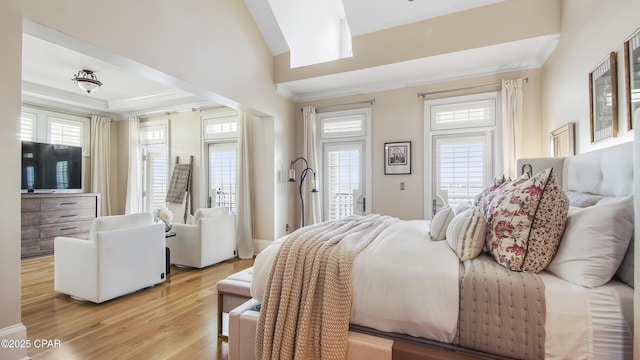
(30, 205)
(30, 218)
(30, 232)
(63, 216)
(68, 203)
(67, 229)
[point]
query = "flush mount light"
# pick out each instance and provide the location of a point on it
(87, 80)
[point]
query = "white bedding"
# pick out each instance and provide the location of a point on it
(404, 282)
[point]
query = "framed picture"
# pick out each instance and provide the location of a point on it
(632, 75)
(603, 99)
(562, 141)
(397, 158)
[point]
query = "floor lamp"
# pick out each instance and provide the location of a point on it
(303, 175)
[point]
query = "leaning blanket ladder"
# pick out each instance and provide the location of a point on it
(180, 185)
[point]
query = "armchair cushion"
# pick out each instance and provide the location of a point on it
(209, 212)
(114, 222)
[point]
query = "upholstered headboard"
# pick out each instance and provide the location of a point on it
(606, 172)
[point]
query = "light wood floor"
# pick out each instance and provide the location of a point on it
(173, 320)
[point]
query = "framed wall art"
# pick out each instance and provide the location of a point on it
(632, 75)
(562, 141)
(397, 158)
(603, 99)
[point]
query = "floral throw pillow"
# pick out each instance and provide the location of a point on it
(525, 223)
(483, 199)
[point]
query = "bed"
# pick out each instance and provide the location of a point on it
(411, 287)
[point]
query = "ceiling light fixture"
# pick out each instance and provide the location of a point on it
(87, 80)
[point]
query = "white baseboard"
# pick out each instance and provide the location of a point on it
(260, 244)
(14, 342)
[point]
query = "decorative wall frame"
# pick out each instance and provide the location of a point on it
(397, 158)
(562, 141)
(632, 75)
(603, 99)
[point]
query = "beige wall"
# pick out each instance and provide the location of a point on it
(590, 30)
(398, 115)
(10, 69)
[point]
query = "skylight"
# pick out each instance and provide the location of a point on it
(316, 31)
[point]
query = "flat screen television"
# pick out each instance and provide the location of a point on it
(51, 167)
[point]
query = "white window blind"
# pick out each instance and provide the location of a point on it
(222, 172)
(461, 167)
(344, 178)
(221, 128)
(463, 114)
(343, 126)
(28, 122)
(151, 134)
(154, 147)
(52, 127)
(65, 132)
(156, 177)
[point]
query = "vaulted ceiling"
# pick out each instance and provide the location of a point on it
(49, 64)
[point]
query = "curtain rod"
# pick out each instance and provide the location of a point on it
(422, 95)
(370, 102)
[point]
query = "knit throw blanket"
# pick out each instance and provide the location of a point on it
(307, 302)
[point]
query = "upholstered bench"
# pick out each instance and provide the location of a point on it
(243, 321)
(232, 292)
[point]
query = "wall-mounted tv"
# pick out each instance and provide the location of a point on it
(51, 167)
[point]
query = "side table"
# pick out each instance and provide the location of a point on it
(167, 256)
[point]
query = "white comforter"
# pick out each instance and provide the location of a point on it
(427, 268)
(404, 282)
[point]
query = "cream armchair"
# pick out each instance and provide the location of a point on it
(123, 254)
(208, 239)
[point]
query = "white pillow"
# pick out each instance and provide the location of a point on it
(466, 233)
(462, 207)
(440, 222)
(594, 242)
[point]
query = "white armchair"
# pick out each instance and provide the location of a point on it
(210, 238)
(124, 253)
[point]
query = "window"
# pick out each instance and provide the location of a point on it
(345, 162)
(222, 174)
(220, 133)
(462, 148)
(54, 128)
(155, 162)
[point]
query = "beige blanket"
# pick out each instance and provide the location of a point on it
(502, 312)
(307, 302)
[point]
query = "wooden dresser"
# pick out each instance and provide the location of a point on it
(45, 216)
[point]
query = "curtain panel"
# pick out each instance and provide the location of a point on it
(100, 161)
(512, 123)
(313, 211)
(244, 191)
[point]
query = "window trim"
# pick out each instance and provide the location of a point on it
(430, 133)
(366, 137)
(43, 118)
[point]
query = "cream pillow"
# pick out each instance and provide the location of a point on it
(594, 242)
(466, 233)
(440, 222)
(462, 207)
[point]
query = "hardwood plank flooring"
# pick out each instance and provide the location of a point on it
(176, 319)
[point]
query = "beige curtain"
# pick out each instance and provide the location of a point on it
(512, 123)
(133, 202)
(313, 205)
(244, 190)
(100, 161)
